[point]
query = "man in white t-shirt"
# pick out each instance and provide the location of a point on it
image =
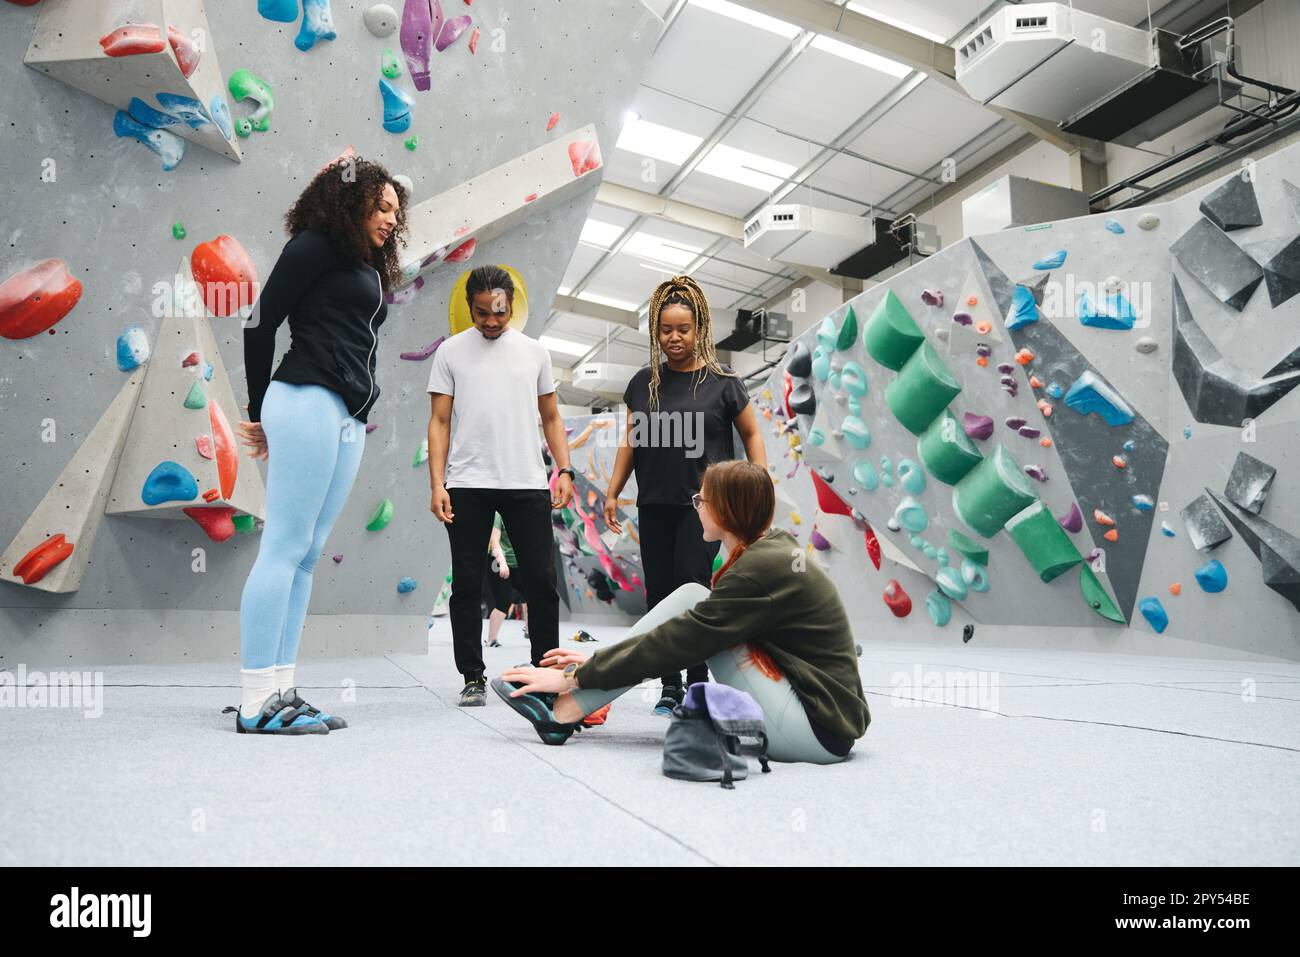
(487, 388)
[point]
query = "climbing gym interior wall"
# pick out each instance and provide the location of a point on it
(152, 145)
(1076, 435)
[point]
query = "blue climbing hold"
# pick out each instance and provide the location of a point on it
(1055, 391)
(281, 11)
(1090, 393)
(1167, 530)
(1116, 313)
(1115, 227)
(189, 110)
(317, 24)
(1130, 445)
(397, 107)
(207, 371)
(169, 147)
(1055, 261)
(1143, 503)
(1155, 614)
(939, 608)
(406, 585)
(144, 113)
(1212, 576)
(1187, 431)
(132, 348)
(912, 476)
(169, 482)
(1024, 309)
(219, 109)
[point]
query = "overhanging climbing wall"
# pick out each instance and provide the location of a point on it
(1075, 435)
(98, 373)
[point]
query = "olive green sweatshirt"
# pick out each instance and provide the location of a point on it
(772, 596)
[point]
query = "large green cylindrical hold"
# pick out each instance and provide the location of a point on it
(1095, 594)
(1044, 542)
(922, 391)
(891, 334)
(993, 492)
(946, 451)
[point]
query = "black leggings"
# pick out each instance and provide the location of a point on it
(674, 552)
(502, 590)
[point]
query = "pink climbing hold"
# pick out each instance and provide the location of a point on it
(977, 426)
(530, 197)
(132, 39)
(452, 30)
(462, 252)
(473, 41)
(1072, 521)
(371, 426)
(186, 50)
(419, 355)
(584, 155)
(1101, 518)
(550, 124)
(217, 522)
(204, 444)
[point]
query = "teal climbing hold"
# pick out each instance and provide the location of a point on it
(950, 583)
(1154, 613)
(916, 540)
(834, 380)
(864, 473)
(848, 334)
(854, 379)
(196, 399)
(930, 551)
(169, 482)
(911, 476)
(939, 608)
(855, 405)
(856, 432)
(942, 555)
(827, 335)
(821, 364)
(911, 515)
(816, 436)
(886, 471)
(975, 575)
(1212, 576)
(1115, 226)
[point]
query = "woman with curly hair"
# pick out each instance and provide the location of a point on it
(329, 282)
(681, 412)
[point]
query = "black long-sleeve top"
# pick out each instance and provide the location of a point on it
(335, 307)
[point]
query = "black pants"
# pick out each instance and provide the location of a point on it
(674, 552)
(501, 592)
(526, 515)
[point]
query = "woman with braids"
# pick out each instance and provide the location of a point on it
(771, 626)
(681, 410)
(329, 282)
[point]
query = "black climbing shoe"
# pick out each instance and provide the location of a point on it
(474, 694)
(536, 708)
(333, 722)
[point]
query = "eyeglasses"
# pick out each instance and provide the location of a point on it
(697, 501)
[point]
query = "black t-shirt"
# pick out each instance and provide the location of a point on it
(690, 429)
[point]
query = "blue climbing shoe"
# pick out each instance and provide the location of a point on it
(277, 717)
(333, 722)
(536, 708)
(672, 697)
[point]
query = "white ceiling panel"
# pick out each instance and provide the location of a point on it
(584, 258)
(639, 172)
(718, 194)
(820, 95)
(864, 182)
(611, 214)
(927, 126)
(711, 58)
(941, 18)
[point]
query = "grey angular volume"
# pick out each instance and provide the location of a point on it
(1217, 391)
(1217, 263)
(1205, 529)
(1282, 273)
(1004, 290)
(1249, 482)
(1278, 551)
(1233, 205)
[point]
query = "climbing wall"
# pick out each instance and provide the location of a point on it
(496, 114)
(1074, 435)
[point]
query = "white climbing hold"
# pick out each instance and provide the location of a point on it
(380, 19)
(1146, 345)
(941, 333)
(1148, 221)
(406, 183)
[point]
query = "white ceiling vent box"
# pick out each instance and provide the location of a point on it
(602, 378)
(806, 235)
(1048, 60)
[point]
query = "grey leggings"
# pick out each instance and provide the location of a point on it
(789, 735)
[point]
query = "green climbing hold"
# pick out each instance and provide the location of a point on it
(383, 514)
(923, 389)
(178, 230)
(992, 493)
(245, 523)
(196, 399)
(848, 334)
(946, 450)
(968, 548)
(1046, 545)
(389, 65)
(244, 84)
(421, 454)
(412, 143)
(891, 334)
(1095, 594)
(243, 128)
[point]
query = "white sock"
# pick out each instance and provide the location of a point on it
(284, 677)
(258, 685)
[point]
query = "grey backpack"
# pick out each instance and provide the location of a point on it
(703, 738)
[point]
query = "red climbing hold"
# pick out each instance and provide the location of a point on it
(218, 523)
(897, 599)
(462, 252)
(550, 123)
(35, 299)
(828, 501)
(227, 452)
(530, 197)
(584, 155)
(34, 566)
(132, 39)
(225, 274)
(873, 546)
(211, 495)
(789, 387)
(186, 50)
(190, 360)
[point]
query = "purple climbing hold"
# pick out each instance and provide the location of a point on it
(819, 541)
(1009, 382)
(338, 558)
(963, 318)
(1006, 368)
(932, 297)
(983, 351)
(371, 426)
(1029, 432)
(1036, 473)
(419, 355)
(421, 23)
(1014, 422)
(1072, 521)
(451, 31)
(977, 426)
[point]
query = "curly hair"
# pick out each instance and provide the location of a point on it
(682, 291)
(339, 200)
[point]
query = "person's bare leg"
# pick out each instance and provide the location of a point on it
(566, 710)
(494, 624)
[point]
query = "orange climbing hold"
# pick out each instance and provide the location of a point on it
(132, 39)
(1119, 461)
(224, 448)
(899, 602)
(34, 299)
(217, 523)
(37, 563)
(1176, 589)
(1035, 382)
(1112, 535)
(1024, 357)
(1102, 518)
(1045, 442)
(982, 361)
(972, 300)
(225, 274)
(983, 328)
(211, 495)
(1045, 407)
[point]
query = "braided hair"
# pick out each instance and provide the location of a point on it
(682, 291)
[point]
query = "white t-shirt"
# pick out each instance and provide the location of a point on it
(494, 384)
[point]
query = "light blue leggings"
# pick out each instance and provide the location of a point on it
(315, 450)
(789, 735)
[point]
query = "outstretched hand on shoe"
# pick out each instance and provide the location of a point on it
(545, 680)
(563, 657)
